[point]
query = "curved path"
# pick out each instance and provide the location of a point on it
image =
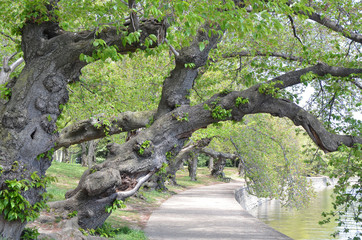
(209, 212)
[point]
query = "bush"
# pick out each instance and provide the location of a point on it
(203, 160)
(29, 233)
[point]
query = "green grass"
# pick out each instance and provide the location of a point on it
(129, 221)
(68, 175)
(127, 233)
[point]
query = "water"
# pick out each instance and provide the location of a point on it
(302, 224)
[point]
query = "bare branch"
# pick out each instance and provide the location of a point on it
(6, 70)
(140, 181)
(330, 103)
(12, 39)
(173, 50)
(197, 93)
(294, 30)
(349, 48)
(357, 84)
(134, 24)
(16, 64)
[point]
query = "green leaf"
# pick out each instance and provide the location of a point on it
(202, 46)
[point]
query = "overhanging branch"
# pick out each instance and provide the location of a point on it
(214, 154)
(325, 140)
(294, 77)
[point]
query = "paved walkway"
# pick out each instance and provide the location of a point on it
(206, 213)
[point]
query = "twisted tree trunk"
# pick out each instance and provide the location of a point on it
(192, 166)
(219, 164)
(91, 155)
(27, 124)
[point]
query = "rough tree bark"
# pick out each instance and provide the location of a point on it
(83, 154)
(174, 164)
(192, 166)
(211, 163)
(219, 164)
(168, 134)
(143, 153)
(27, 121)
(91, 155)
(27, 124)
(218, 169)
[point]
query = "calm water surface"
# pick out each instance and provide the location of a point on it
(302, 224)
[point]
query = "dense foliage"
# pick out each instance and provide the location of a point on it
(249, 47)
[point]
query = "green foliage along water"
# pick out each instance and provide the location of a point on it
(303, 224)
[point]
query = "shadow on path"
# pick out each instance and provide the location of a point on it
(209, 212)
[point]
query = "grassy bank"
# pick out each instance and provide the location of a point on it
(134, 217)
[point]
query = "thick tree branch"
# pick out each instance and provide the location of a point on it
(93, 128)
(321, 69)
(191, 146)
(325, 140)
(82, 42)
(176, 87)
(214, 154)
(325, 21)
(260, 103)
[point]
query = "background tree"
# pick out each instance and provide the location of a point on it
(273, 46)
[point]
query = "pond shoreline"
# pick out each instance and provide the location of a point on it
(248, 201)
(296, 224)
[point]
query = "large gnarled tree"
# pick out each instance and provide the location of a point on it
(59, 38)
